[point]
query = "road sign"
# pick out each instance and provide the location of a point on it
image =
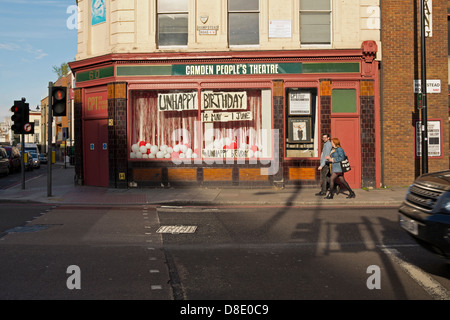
(27, 127)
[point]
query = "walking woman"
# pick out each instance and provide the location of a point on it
(336, 171)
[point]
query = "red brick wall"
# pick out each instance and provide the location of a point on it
(400, 66)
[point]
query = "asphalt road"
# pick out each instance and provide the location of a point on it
(215, 254)
(15, 178)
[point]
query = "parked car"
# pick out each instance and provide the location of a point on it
(4, 162)
(36, 161)
(28, 161)
(43, 158)
(14, 159)
(425, 213)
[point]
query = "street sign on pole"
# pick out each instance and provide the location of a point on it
(424, 90)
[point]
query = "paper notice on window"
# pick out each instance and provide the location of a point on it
(299, 103)
(280, 29)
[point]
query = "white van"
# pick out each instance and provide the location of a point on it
(32, 147)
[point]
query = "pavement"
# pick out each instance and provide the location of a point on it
(64, 191)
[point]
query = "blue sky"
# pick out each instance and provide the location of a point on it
(35, 35)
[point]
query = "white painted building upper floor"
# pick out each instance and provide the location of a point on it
(143, 26)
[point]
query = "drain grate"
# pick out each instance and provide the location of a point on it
(24, 229)
(176, 229)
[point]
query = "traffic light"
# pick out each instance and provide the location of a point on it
(20, 117)
(59, 101)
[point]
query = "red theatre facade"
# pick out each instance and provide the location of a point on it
(250, 118)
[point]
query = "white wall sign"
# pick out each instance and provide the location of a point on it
(226, 116)
(280, 29)
(433, 86)
(177, 101)
(224, 100)
(434, 138)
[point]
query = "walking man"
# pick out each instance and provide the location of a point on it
(324, 167)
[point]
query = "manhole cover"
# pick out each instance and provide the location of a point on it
(34, 228)
(176, 229)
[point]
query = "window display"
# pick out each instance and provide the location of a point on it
(215, 124)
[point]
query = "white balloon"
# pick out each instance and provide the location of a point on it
(145, 156)
(135, 147)
(139, 155)
(163, 147)
(154, 149)
(176, 148)
(183, 148)
(168, 155)
(143, 149)
(160, 154)
(151, 156)
(148, 145)
(132, 155)
(182, 155)
(169, 150)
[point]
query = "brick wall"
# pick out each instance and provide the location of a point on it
(117, 135)
(400, 66)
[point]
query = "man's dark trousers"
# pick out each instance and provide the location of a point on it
(324, 178)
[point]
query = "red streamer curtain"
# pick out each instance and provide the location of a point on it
(173, 127)
(241, 132)
(160, 127)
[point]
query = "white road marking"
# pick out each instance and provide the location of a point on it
(434, 288)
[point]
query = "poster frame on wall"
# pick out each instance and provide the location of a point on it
(300, 103)
(294, 132)
(434, 134)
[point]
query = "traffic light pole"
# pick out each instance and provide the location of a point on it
(424, 91)
(22, 160)
(49, 154)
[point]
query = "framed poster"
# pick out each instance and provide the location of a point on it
(299, 103)
(299, 130)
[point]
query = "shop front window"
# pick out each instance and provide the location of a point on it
(219, 125)
(163, 124)
(236, 124)
(301, 123)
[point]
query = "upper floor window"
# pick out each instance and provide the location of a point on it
(172, 22)
(243, 22)
(315, 21)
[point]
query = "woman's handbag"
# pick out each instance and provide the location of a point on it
(345, 165)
